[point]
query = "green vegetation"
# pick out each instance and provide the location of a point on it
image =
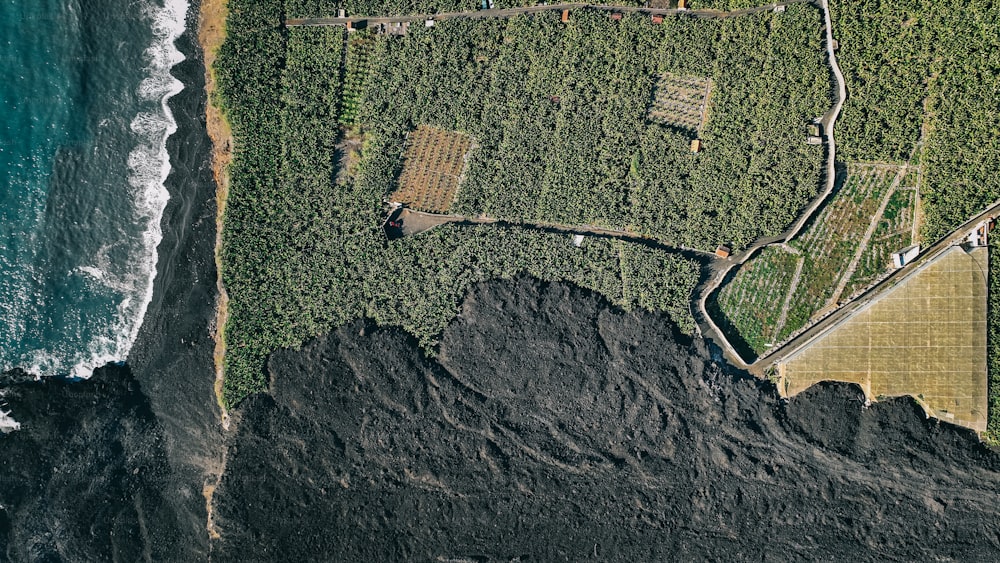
(357, 71)
(303, 253)
(751, 303)
(992, 434)
(894, 232)
(559, 112)
(831, 242)
(915, 66)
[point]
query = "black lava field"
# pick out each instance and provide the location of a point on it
(551, 427)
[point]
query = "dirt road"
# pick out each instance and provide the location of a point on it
(511, 12)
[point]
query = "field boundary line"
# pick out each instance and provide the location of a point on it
(865, 240)
(780, 324)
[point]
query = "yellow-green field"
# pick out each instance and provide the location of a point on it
(924, 337)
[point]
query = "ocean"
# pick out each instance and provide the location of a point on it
(84, 120)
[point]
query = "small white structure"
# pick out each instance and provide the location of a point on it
(8, 424)
(779, 9)
(577, 240)
(905, 256)
(341, 13)
(980, 234)
(428, 23)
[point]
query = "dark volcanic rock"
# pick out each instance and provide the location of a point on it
(554, 427)
(84, 479)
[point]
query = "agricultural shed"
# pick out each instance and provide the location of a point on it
(723, 251)
(903, 257)
(696, 145)
(657, 19)
(565, 16)
(979, 236)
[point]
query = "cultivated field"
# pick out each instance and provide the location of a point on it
(432, 165)
(766, 301)
(358, 65)
(831, 242)
(925, 337)
(894, 232)
(752, 302)
(681, 101)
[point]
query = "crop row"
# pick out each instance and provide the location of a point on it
(830, 243)
(752, 301)
(894, 232)
(357, 72)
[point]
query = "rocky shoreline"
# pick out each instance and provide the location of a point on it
(114, 467)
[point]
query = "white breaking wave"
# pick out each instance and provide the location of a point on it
(150, 163)
(149, 166)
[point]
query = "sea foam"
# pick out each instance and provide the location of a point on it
(149, 166)
(149, 163)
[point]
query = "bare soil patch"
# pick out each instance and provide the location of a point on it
(432, 166)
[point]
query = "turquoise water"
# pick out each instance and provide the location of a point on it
(83, 122)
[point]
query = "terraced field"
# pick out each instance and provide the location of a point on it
(830, 243)
(774, 295)
(751, 302)
(894, 232)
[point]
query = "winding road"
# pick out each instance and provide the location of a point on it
(705, 322)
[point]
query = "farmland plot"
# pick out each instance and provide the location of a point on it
(681, 101)
(358, 64)
(756, 303)
(831, 242)
(432, 165)
(894, 232)
(752, 301)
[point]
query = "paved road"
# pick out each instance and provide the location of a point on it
(434, 219)
(706, 324)
(511, 12)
